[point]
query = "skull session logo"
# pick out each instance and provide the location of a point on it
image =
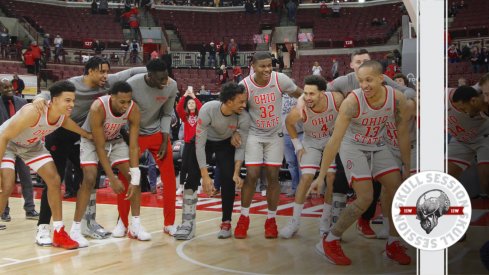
(431, 210)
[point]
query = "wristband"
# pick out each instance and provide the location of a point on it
(297, 144)
(135, 175)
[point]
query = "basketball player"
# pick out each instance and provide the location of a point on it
(22, 136)
(468, 124)
(155, 96)
(318, 120)
(346, 84)
(64, 145)
(217, 123)
(265, 144)
(358, 129)
(107, 116)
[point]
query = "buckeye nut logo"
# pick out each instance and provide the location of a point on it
(431, 210)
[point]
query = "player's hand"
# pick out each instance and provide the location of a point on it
(89, 136)
(236, 140)
(300, 153)
(40, 104)
(116, 185)
(208, 186)
(238, 181)
(162, 152)
(131, 191)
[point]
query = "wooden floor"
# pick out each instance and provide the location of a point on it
(205, 254)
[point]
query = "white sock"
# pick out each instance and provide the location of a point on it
(271, 214)
(326, 210)
(297, 211)
(245, 211)
(332, 237)
(135, 220)
(57, 225)
(392, 239)
(385, 223)
(76, 226)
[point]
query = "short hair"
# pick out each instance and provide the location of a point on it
(484, 79)
(399, 75)
(359, 52)
(156, 65)
(260, 56)
(95, 63)
(317, 81)
(230, 90)
(464, 94)
(61, 86)
(375, 65)
(120, 87)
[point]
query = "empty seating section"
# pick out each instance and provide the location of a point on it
(73, 24)
(193, 28)
(468, 21)
(303, 65)
(354, 23)
(7, 67)
(463, 70)
(199, 77)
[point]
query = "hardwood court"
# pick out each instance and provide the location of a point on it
(204, 254)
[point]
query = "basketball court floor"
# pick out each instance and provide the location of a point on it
(205, 254)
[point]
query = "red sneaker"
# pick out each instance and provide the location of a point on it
(333, 253)
(364, 229)
(397, 252)
(63, 240)
(271, 231)
(241, 230)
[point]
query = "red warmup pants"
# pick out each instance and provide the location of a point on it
(167, 174)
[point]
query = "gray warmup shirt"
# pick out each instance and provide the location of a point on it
(214, 126)
(156, 106)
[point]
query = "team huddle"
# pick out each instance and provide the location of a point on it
(359, 132)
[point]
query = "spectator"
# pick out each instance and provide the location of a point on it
(233, 51)
(98, 47)
(334, 69)
(237, 74)
(483, 59)
(323, 9)
(452, 53)
(221, 49)
(134, 51)
(4, 42)
(392, 69)
(336, 8)
(291, 10)
(17, 85)
(212, 55)
(125, 48)
(36, 55)
(154, 54)
(397, 56)
(474, 58)
(384, 21)
(58, 47)
(260, 4)
(103, 7)
(466, 51)
(46, 47)
(222, 75)
(29, 61)
(316, 69)
(401, 79)
(461, 82)
(134, 25)
(375, 22)
(94, 7)
(203, 52)
(204, 91)
(292, 55)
